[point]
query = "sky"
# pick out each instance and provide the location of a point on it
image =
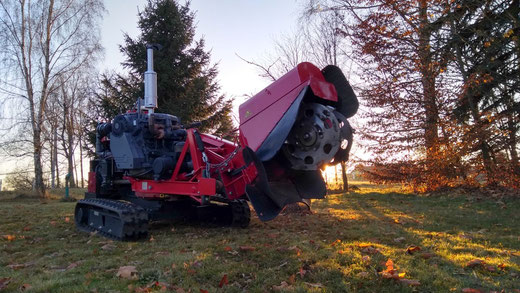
(246, 28)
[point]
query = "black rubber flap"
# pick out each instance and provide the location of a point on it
(265, 208)
(310, 184)
(346, 133)
(348, 103)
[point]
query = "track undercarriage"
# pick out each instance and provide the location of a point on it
(125, 221)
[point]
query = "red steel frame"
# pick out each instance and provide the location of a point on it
(195, 185)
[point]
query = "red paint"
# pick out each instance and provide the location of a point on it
(217, 150)
(260, 114)
(91, 182)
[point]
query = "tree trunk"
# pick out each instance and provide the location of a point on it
(344, 176)
(431, 135)
(81, 162)
(39, 185)
(53, 162)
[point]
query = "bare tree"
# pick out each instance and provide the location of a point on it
(46, 42)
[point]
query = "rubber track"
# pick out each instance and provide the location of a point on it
(134, 218)
(241, 213)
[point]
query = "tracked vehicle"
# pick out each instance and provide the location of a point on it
(149, 166)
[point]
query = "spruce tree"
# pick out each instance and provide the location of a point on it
(185, 77)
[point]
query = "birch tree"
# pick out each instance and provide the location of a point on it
(45, 43)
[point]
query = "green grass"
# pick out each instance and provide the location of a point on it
(323, 251)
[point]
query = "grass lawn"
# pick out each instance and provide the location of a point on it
(344, 245)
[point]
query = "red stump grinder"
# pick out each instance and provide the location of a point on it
(149, 166)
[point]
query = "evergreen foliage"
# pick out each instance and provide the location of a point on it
(186, 80)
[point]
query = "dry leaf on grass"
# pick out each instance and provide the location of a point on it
(426, 255)
(475, 262)
(370, 250)
(9, 237)
(399, 239)
(25, 287)
(314, 285)
(471, 290)
(108, 246)
(410, 282)
(20, 266)
(4, 282)
(490, 268)
(363, 274)
(283, 286)
(337, 241)
(127, 272)
(247, 248)
(73, 265)
(412, 248)
(223, 281)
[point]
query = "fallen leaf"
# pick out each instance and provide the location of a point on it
(490, 268)
(203, 291)
(502, 266)
(174, 266)
(475, 262)
(370, 250)
(108, 246)
(4, 282)
(127, 272)
(292, 279)
(25, 287)
(53, 223)
(247, 248)
(363, 274)
(302, 272)
(27, 228)
(9, 237)
(412, 248)
(283, 286)
(72, 265)
(335, 242)
(365, 258)
(389, 265)
(410, 282)
(314, 285)
(228, 248)
(389, 275)
(20, 266)
(471, 290)
(223, 281)
(67, 219)
(426, 255)
(399, 239)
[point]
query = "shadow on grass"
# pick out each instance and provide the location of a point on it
(301, 250)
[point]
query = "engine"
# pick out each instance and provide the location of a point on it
(144, 146)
